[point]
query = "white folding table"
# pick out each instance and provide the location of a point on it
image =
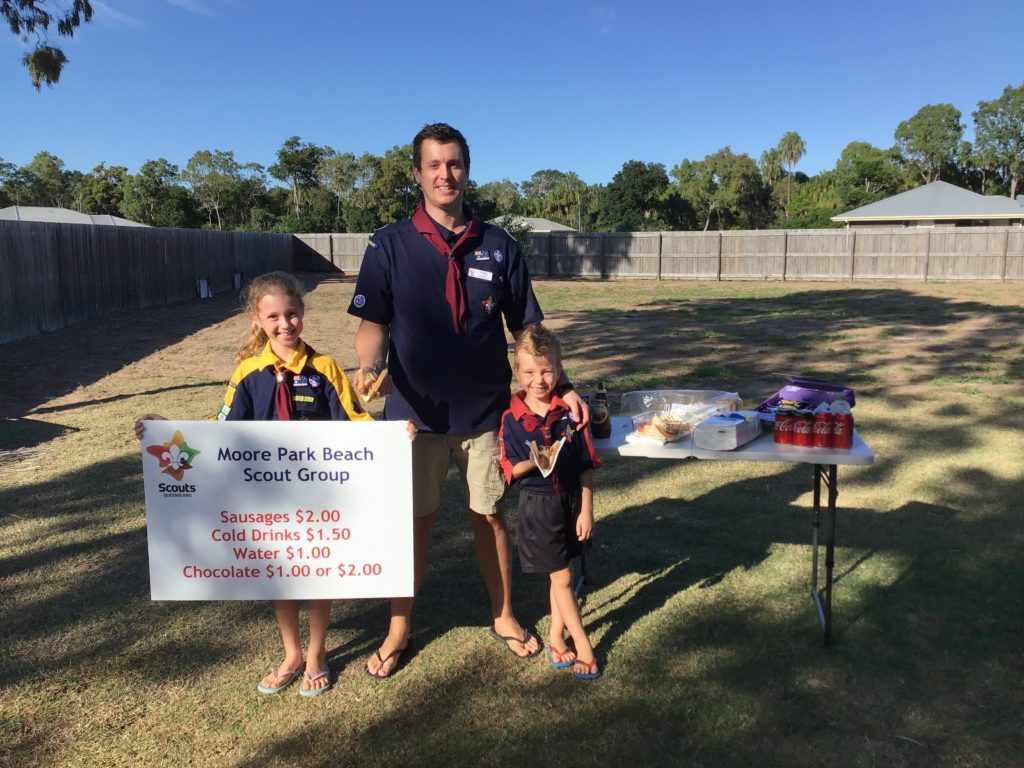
(824, 462)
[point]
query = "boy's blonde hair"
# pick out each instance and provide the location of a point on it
(272, 282)
(538, 341)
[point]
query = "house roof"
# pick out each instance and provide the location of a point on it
(62, 216)
(535, 225)
(937, 200)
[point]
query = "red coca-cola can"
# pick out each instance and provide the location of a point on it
(802, 428)
(822, 431)
(842, 431)
(784, 427)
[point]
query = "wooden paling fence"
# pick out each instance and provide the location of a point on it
(53, 275)
(941, 253)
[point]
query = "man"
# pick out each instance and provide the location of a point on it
(431, 295)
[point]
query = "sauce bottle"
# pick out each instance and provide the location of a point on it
(600, 416)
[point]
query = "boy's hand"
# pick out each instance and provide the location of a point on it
(585, 525)
(523, 468)
(412, 429)
(140, 428)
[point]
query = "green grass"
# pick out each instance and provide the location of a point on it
(699, 581)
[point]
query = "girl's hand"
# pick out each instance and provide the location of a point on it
(140, 428)
(412, 429)
(585, 525)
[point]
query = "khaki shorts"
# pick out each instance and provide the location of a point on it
(476, 456)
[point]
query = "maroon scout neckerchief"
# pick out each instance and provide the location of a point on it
(453, 289)
(282, 397)
(283, 394)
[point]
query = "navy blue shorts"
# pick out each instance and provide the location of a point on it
(547, 529)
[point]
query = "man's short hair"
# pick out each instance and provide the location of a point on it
(442, 133)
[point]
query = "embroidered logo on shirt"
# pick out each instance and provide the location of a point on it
(300, 381)
(359, 301)
(481, 255)
(488, 304)
(304, 399)
(315, 380)
(498, 256)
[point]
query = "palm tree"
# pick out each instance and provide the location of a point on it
(791, 148)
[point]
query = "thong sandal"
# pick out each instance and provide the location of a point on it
(395, 654)
(310, 679)
(561, 659)
(288, 676)
(591, 673)
(506, 639)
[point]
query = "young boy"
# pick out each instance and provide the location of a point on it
(556, 513)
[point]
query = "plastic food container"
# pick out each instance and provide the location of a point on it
(662, 426)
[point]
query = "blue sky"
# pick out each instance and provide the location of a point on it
(576, 86)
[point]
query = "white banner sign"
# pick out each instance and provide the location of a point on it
(278, 510)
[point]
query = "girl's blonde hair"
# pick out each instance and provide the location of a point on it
(539, 341)
(272, 282)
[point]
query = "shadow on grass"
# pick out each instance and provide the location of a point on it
(729, 681)
(671, 340)
(710, 682)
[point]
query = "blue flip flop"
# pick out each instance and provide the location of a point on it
(592, 672)
(312, 679)
(557, 658)
(289, 676)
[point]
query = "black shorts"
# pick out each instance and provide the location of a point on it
(547, 529)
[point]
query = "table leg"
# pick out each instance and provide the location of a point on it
(830, 548)
(823, 598)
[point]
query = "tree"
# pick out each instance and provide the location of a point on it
(999, 133)
(865, 174)
(101, 190)
(47, 181)
(791, 148)
(495, 198)
(725, 187)
(388, 192)
(540, 186)
(634, 200)
(339, 172)
(154, 196)
(33, 17)
(929, 140)
(567, 200)
(297, 164)
(7, 173)
(213, 177)
(771, 166)
(223, 187)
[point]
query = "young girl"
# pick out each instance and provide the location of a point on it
(280, 377)
(556, 513)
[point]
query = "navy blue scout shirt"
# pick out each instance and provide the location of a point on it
(443, 381)
(319, 388)
(520, 425)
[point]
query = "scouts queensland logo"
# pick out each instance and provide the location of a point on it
(175, 456)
